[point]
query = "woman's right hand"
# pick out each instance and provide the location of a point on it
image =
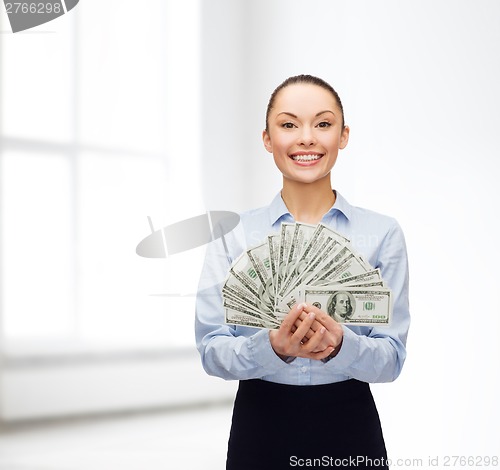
(302, 341)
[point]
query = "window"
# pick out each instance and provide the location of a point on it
(100, 128)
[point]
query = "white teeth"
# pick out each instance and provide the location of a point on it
(305, 158)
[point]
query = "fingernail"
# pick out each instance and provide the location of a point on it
(312, 315)
(322, 330)
(301, 306)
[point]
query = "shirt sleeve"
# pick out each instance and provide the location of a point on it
(227, 351)
(378, 354)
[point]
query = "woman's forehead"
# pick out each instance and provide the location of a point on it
(305, 96)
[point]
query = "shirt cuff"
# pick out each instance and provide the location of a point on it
(348, 352)
(263, 352)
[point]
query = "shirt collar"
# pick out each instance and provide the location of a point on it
(340, 205)
(278, 209)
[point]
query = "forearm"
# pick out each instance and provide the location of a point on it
(369, 358)
(239, 357)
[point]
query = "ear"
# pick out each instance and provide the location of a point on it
(267, 141)
(344, 138)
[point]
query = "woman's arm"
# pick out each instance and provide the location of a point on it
(371, 354)
(227, 351)
(378, 354)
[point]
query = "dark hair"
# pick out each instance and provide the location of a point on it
(303, 79)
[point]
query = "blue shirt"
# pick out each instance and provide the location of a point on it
(368, 354)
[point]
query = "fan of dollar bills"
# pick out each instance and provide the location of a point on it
(304, 263)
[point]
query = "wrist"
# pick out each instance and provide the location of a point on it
(286, 359)
(334, 352)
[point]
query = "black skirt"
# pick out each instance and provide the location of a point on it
(278, 426)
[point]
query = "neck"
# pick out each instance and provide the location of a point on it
(308, 203)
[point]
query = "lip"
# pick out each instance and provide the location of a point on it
(310, 160)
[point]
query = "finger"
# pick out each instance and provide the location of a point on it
(315, 325)
(321, 316)
(310, 333)
(303, 316)
(289, 321)
(324, 319)
(323, 354)
(299, 321)
(315, 340)
(304, 327)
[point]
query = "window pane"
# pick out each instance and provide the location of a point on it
(127, 99)
(37, 81)
(37, 291)
(123, 74)
(116, 305)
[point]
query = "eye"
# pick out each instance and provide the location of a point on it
(288, 125)
(324, 124)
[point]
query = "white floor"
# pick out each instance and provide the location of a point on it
(182, 439)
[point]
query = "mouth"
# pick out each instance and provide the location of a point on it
(305, 157)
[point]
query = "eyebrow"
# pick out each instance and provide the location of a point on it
(317, 114)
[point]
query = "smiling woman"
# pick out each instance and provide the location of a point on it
(317, 367)
(305, 131)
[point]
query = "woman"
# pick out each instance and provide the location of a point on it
(303, 395)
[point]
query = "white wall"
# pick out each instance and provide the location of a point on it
(108, 382)
(418, 82)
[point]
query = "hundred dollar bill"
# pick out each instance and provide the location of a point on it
(286, 234)
(321, 239)
(234, 309)
(369, 276)
(308, 274)
(261, 260)
(274, 244)
(301, 236)
(238, 287)
(367, 284)
(244, 271)
(235, 306)
(353, 305)
(234, 317)
(333, 233)
(245, 302)
(348, 266)
(306, 267)
(316, 273)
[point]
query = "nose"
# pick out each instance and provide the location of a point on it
(307, 137)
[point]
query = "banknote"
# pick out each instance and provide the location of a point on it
(353, 305)
(304, 262)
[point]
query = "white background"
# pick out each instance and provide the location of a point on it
(419, 84)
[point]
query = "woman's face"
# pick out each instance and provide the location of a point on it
(305, 132)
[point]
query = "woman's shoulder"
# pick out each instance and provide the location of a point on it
(367, 217)
(373, 216)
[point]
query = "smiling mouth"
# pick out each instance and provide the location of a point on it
(306, 157)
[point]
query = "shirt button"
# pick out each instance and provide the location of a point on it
(303, 369)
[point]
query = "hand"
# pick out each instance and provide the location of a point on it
(291, 340)
(334, 333)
